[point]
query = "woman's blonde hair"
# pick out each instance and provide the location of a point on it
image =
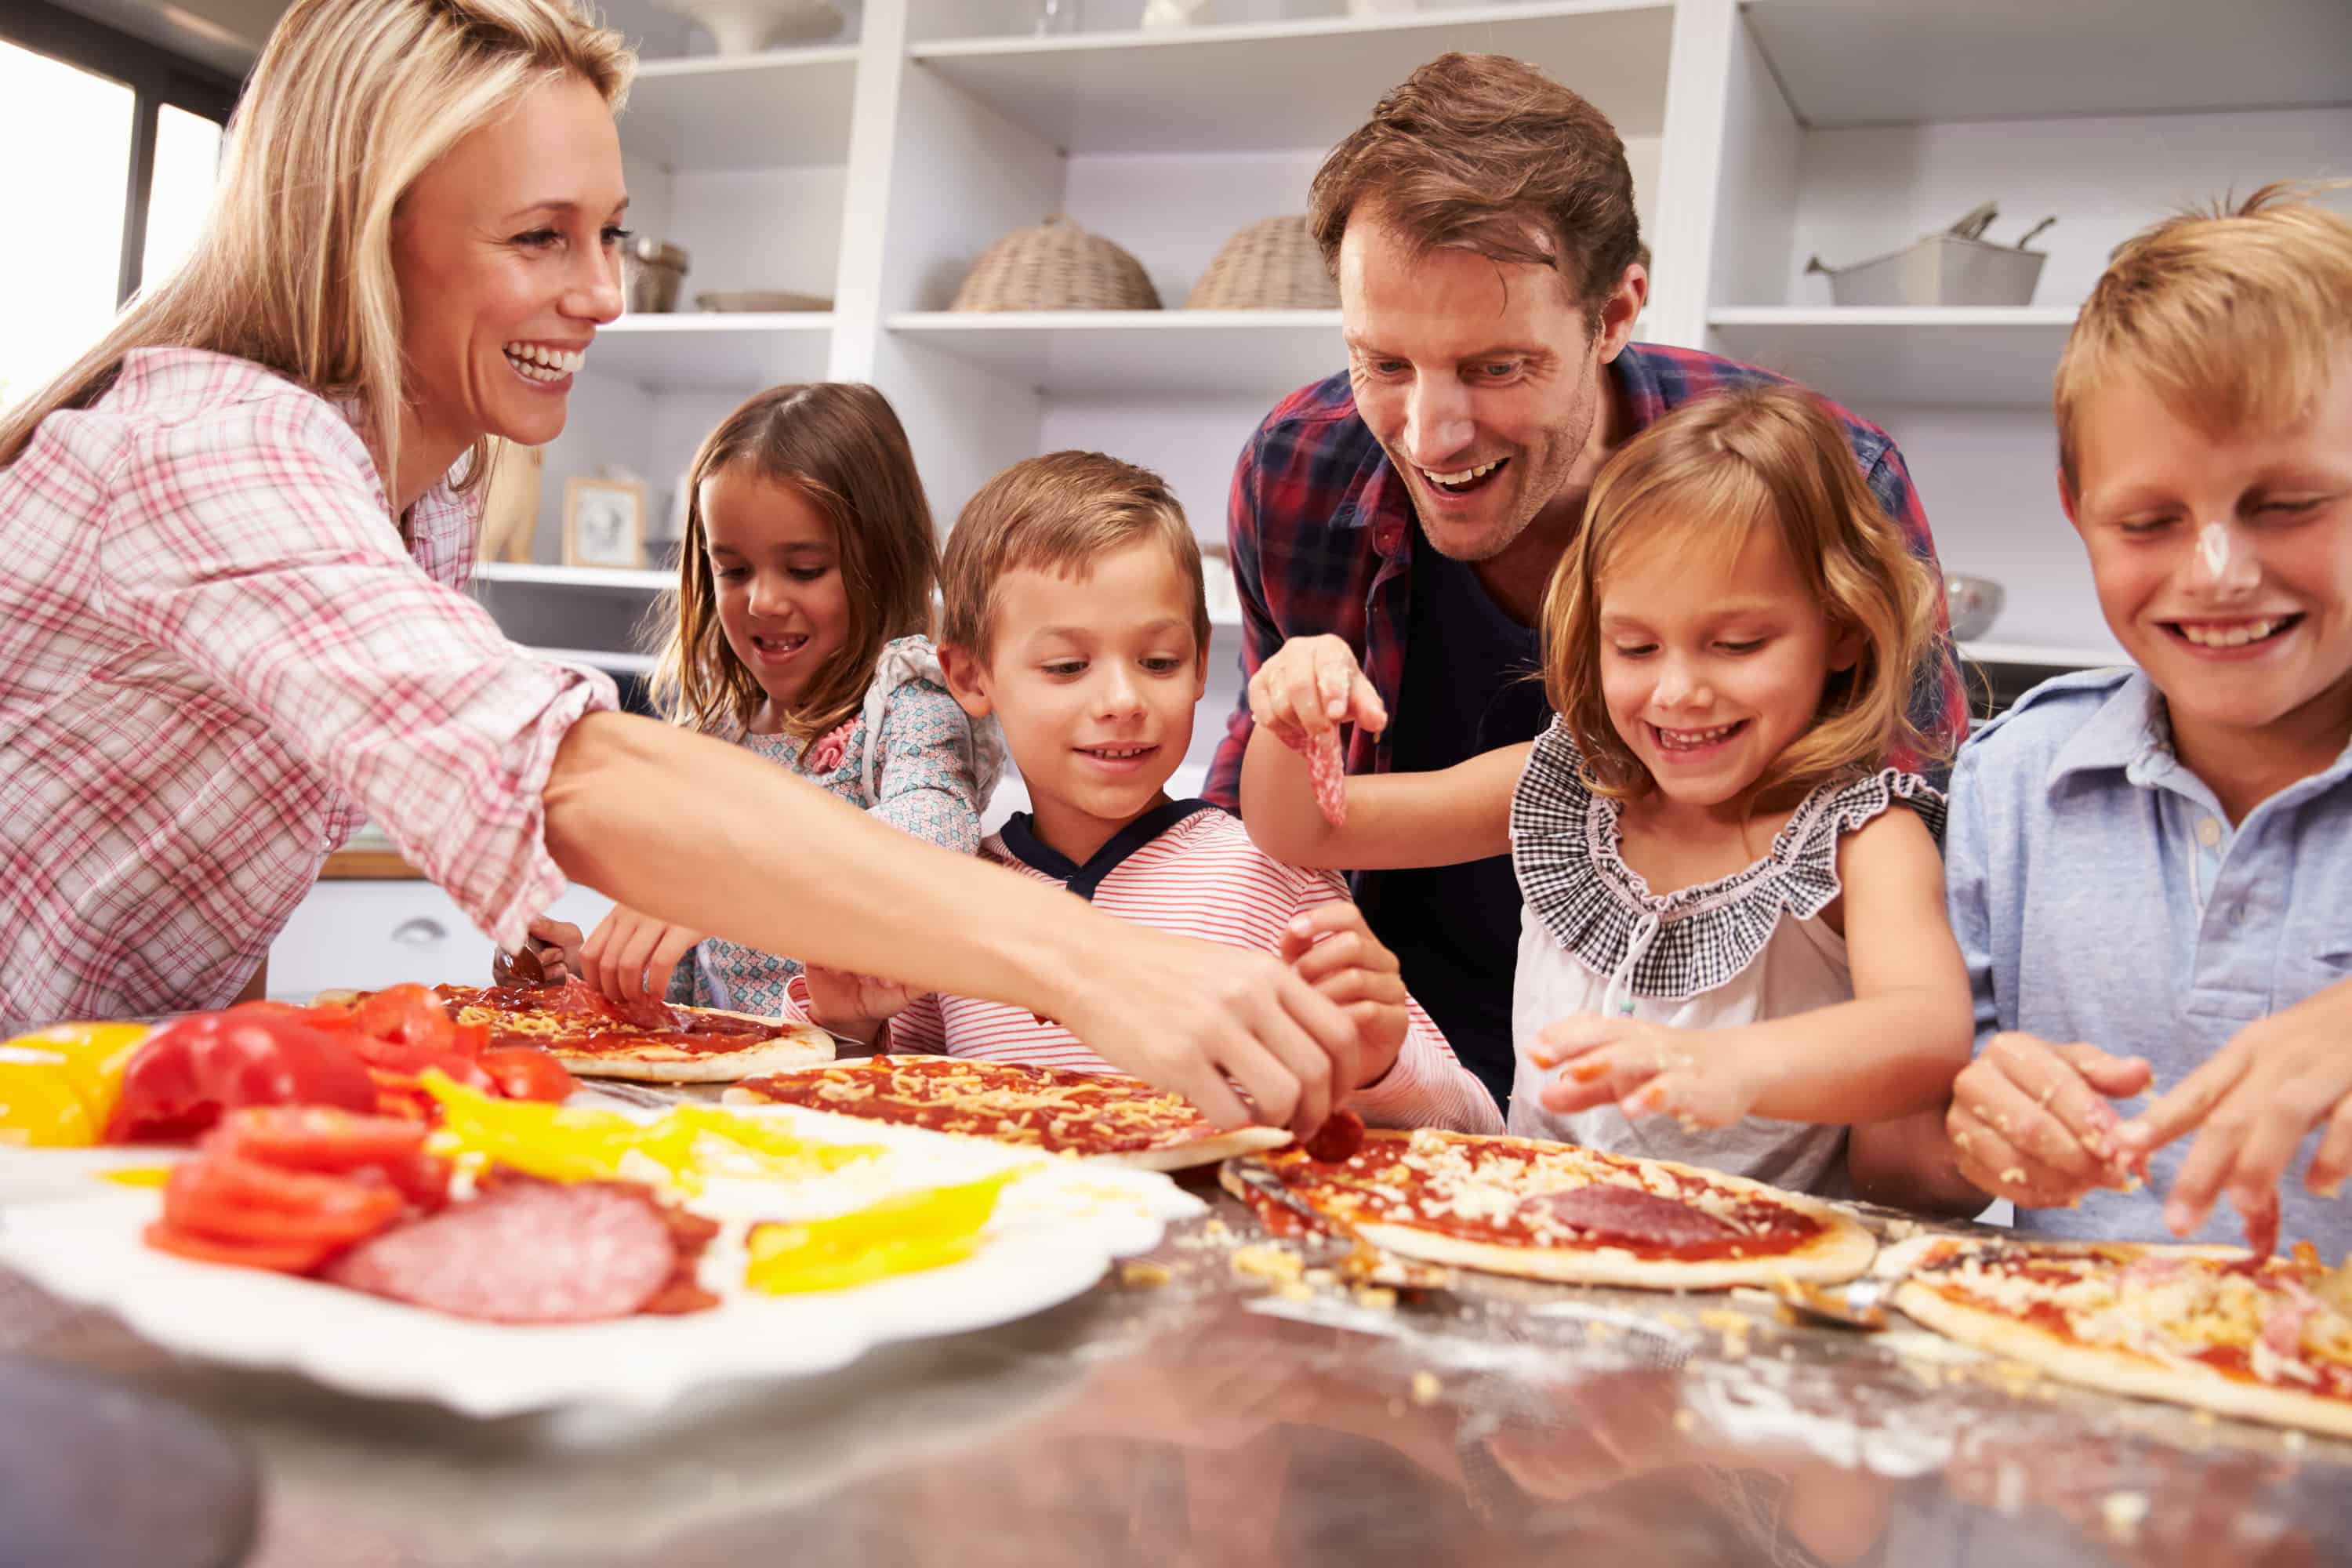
(351, 101)
(840, 443)
(1706, 477)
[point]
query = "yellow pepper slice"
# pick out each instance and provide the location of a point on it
(88, 1057)
(903, 1235)
(580, 1145)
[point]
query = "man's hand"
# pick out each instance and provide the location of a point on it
(2255, 1101)
(1697, 1076)
(552, 957)
(2030, 1120)
(855, 1006)
(1187, 1015)
(630, 956)
(1332, 949)
(1311, 685)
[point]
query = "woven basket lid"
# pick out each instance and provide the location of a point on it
(1272, 265)
(1056, 266)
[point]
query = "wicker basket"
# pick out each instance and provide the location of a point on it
(1057, 266)
(1272, 265)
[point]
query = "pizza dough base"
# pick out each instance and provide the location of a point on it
(1175, 1157)
(2119, 1370)
(800, 1048)
(1841, 1252)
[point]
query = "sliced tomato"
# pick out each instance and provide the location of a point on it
(526, 1072)
(221, 1194)
(280, 1257)
(423, 1179)
(182, 1077)
(317, 1138)
(407, 1016)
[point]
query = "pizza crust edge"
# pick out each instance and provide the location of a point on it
(801, 1047)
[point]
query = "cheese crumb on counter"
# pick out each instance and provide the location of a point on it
(1425, 1388)
(2122, 1511)
(1144, 1276)
(1274, 1264)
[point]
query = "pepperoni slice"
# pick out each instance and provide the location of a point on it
(523, 1252)
(1610, 1213)
(1338, 1138)
(1326, 768)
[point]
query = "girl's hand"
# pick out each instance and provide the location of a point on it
(1311, 685)
(2255, 1101)
(554, 948)
(629, 956)
(1333, 949)
(1697, 1076)
(856, 1006)
(2030, 1120)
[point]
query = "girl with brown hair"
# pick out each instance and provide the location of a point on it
(802, 632)
(1730, 940)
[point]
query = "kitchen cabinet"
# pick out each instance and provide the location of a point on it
(876, 171)
(366, 933)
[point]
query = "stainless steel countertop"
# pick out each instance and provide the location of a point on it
(1203, 1421)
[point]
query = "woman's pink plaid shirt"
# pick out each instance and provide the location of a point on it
(216, 659)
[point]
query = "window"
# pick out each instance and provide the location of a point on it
(129, 138)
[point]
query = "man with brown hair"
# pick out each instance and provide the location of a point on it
(1482, 228)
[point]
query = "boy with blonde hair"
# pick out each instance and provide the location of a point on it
(1073, 614)
(2149, 868)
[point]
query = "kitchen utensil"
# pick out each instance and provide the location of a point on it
(1955, 266)
(651, 272)
(1973, 603)
(1856, 1304)
(1361, 1262)
(742, 299)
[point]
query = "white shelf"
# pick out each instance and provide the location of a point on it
(742, 111)
(610, 577)
(611, 663)
(1139, 353)
(717, 351)
(1950, 357)
(2042, 653)
(1900, 62)
(1257, 85)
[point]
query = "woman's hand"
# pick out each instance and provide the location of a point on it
(1332, 948)
(1189, 1016)
(854, 1005)
(629, 956)
(2253, 1102)
(1700, 1077)
(2030, 1120)
(1311, 685)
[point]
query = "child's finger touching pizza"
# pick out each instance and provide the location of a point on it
(2331, 1161)
(672, 945)
(2196, 1187)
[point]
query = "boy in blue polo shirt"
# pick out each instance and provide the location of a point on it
(2158, 860)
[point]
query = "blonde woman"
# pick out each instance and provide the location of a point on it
(234, 622)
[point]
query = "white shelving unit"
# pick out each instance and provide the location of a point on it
(607, 578)
(875, 172)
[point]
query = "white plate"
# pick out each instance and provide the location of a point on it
(1055, 1232)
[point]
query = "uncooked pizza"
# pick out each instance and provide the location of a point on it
(596, 1037)
(1053, 1108)
(1554, 1211)
(2216, 1328)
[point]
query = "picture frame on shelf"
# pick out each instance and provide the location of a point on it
(605, 523)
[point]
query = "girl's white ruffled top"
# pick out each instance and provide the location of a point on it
(1749, 946)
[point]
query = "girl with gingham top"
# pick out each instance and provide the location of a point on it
(806, 581)
(1732, 947)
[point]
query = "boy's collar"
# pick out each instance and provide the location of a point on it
(1021, 840)
(2132, 734)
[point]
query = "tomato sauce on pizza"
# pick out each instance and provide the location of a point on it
(574, 1016)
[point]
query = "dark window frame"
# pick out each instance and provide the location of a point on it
(155, 77)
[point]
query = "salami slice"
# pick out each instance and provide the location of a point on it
(525, 1252)
(1327, 766)
(1614, 1213)
(1338, 1138)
